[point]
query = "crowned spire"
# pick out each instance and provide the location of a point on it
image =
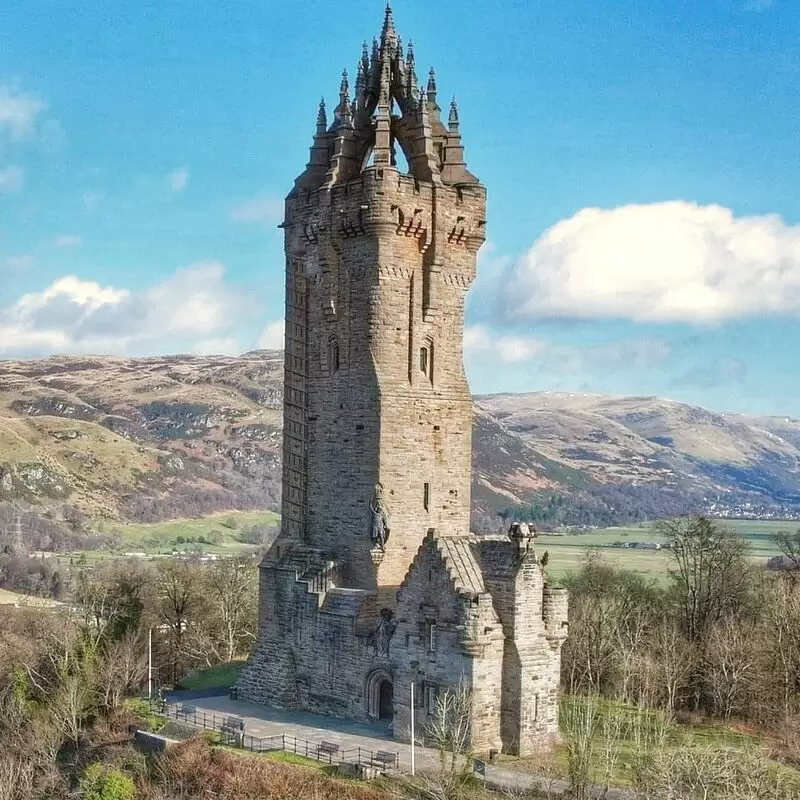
(388, 31)
(432, 86)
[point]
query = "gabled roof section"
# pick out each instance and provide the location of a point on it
(458, 559)
(389, 109)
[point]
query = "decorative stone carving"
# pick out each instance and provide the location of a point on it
(382, 635)
(380, 518)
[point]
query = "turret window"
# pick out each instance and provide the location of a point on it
(333, 355)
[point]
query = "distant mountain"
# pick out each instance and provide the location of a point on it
(157, 438)
(667, 457)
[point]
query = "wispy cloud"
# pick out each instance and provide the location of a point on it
(20, 263)
(266, 210)
(68, 240)
(11, 180)
(91, 201)
(19, 111)
(759, 5)
(178, 180)
(483, 344)
(721, 372)
(271, 337)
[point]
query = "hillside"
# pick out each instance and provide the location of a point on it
(142, 438)
(160, 438)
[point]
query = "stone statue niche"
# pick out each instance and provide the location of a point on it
(380, 518)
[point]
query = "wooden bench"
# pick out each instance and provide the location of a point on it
(329, 749)
(386, 759)
(233, 724)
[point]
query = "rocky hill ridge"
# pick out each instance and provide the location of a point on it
(155, 438)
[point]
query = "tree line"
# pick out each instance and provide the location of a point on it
(719, 638)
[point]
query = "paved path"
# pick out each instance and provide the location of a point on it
(262, 721)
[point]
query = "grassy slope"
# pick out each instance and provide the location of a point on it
(162, 537)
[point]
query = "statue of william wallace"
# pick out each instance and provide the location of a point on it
(380, 518)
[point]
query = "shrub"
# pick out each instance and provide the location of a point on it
(103, 783)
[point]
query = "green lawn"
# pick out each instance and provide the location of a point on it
(221, 533)
(567, 551)
(220, 677)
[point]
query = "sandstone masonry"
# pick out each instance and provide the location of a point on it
(375, 581)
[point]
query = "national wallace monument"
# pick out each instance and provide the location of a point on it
(375, 580)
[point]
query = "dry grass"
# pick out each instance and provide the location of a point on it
(197, 770)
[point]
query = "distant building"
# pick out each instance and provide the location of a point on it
(375, 581)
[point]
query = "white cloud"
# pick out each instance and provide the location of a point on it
(68, 240)
(178, 180)
(265, 210)
(271, 337)
(483, 344)
(193, 306)
(18, 113)
(11, 180)
(672, 261)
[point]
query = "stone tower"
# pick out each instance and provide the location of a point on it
(375, 582)
(379, 256)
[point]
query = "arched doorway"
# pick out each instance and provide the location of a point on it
(386, 701)
(379, 695)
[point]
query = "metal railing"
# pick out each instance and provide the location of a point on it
(233, 732)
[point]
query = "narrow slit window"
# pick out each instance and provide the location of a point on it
(426, 496)
(424, 358)
(431, 643)
(333, 355)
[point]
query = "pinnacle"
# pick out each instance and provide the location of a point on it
(453, 119)
(388, 24)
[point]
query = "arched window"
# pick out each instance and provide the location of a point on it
(333, 355)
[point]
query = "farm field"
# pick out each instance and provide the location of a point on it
(567, 550)
(215, 534)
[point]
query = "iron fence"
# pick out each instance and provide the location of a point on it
(233, 731)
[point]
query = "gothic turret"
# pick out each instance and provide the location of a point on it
(390, 111)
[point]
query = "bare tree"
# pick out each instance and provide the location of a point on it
(123, 667)
(711, 574)
(233, 588)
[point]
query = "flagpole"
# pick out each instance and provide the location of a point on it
(412, 728)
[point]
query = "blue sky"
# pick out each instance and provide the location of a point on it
(641, 161)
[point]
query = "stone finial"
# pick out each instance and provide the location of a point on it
(410, 59)
(365, 57)
(388, 32)
(322, 118)
(343, 109)
(452, 121)
(431, 91)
